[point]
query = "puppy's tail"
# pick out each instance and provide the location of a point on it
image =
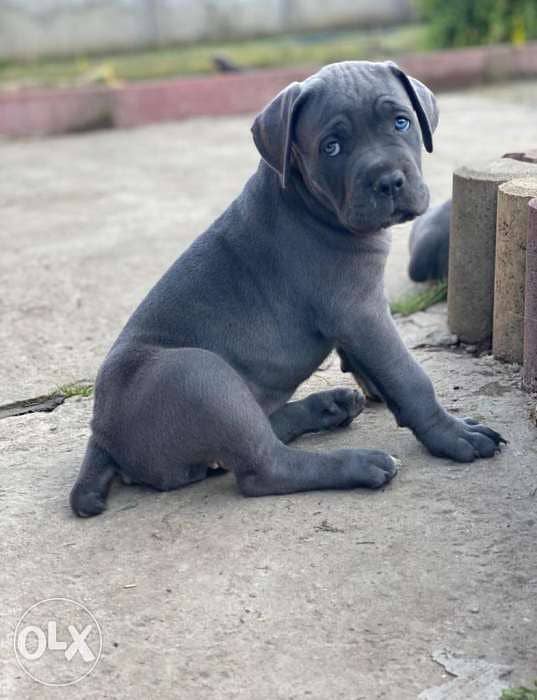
(88, 496)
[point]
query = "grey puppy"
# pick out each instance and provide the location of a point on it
(429, 244)
(203, 371)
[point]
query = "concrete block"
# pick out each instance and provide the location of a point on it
(453, 68)
(510, 275)
(31, 28)
(215, 95)
(473, 245)
(62, 110)
(529, 374)
(304, 14)
(235, 18)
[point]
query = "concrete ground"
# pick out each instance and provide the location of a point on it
(202, 593)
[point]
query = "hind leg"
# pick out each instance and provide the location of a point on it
(322, 411)
(88, 496)
(183, 409)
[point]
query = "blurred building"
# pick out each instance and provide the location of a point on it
(31, 28)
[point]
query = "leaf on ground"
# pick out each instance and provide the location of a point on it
(474, 678)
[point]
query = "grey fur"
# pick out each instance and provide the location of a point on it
(429, 244)
(203, 370)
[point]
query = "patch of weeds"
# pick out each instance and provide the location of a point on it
(520, 693)
(84, 389)
(434, 294)
(195, 58)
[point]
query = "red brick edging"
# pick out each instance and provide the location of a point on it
(43, 112)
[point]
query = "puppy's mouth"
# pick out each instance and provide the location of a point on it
(400, 216)
(369, 223)
(368, 212)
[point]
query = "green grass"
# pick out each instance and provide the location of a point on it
(420, 301)
(267, 52)
(75, 389)
(520, 693)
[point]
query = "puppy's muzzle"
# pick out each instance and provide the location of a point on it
(390, 184)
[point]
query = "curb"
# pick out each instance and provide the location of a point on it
(45, 112)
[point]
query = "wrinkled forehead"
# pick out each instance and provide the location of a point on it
(357, 89)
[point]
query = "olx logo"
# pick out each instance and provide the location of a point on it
(57, 641)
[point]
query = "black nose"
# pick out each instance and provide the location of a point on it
(390, 184)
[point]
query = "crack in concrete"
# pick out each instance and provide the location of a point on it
(47, 402)
(34, 405)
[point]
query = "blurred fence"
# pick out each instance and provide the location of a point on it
(30, 28)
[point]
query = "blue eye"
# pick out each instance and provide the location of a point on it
(402, 123)
(332, 148)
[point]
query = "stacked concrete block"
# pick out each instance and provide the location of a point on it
(473, 245)
(529, 375)
(510, 279)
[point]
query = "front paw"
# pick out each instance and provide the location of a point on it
(462, 440)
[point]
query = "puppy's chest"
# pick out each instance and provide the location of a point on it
(280, 358)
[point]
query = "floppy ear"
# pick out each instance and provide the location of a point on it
(424, 104)
(273, 130)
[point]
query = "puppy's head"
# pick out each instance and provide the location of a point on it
(352, 134)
